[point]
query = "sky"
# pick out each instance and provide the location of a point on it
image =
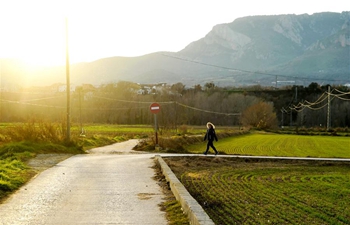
(35, 30)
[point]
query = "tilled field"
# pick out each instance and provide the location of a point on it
(262, 191)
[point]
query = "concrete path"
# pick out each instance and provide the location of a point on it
(109, 186)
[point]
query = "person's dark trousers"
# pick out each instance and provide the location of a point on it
(210, 144)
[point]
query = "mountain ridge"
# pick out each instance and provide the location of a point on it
(250, 50)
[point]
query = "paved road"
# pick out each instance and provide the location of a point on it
(99, 188)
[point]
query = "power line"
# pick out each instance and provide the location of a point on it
(207, 111)
(128, 101)
(31, 104)
(341, 94)
(248, 71)
(40, 99)
(299, 107)
(171, 102)
(124, 108)
(324, 97)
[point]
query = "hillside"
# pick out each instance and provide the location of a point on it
(298, 49)
(310, 46)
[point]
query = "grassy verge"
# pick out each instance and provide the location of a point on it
(14, 171)
(22, 142)
(256, 191)
(13, 174)
(171, 206)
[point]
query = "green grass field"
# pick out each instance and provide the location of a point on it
(281, 145)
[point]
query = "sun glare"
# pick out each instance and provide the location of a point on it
(34, 31)
(35, 35)
(43, 59)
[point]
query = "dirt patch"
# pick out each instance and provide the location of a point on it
(44, 161)
(162, 182)
(180, 165)
(164, 185)
(145, 196)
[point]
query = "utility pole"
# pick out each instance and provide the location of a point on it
(282, 117)
(68, 84)
(329, 108)
(296, 100)
(302, 115)
(276, 82)
(175, 103)
(81, 123)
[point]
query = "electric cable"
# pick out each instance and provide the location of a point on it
(207, 111)
(324, 97)
(246, 71)
(31, 104)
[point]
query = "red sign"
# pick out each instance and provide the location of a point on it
(155, 108)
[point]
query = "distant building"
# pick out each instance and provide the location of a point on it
(147, 89)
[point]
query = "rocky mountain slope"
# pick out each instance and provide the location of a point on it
(298, 49)
(314, 46)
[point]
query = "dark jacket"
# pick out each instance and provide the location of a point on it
(210, 135)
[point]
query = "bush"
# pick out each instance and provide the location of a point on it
(260, 116)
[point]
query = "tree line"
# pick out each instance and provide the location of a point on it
(119, 103)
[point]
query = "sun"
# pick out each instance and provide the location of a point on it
(43, 59)
(34, 33)
(41, 44)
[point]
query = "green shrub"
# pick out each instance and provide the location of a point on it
(12, 175)
(8, 150)
(5, 186)
(26, 149)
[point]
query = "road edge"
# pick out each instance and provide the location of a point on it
(194, 212)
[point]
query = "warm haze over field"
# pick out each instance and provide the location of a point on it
(34, 31)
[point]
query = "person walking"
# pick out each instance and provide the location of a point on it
(211, 136)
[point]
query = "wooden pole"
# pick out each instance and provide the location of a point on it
(68, 84)
(329, 109)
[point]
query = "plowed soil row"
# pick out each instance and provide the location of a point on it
(262, 191)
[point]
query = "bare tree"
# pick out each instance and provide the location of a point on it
(260, 115)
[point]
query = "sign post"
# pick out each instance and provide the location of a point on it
(155, 108)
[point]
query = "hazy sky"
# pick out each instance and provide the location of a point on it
(34, 30)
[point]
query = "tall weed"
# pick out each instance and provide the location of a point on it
(35, 132)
